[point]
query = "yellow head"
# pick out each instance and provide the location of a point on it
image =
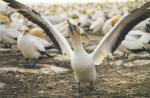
(4, 20)
(74, 32)
(38, 32)
(115, 19)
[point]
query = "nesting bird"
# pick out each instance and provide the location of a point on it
(110, 23)
(97, 25)
(8, 35)
(32, 47)
(143, 26)
(84, 21)
(98, 19)
(37, 32)
(135, 42)
(17, 21)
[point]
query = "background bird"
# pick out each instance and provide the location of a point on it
(8, 35)
(32, 47)
(110, 23)
(135, 42)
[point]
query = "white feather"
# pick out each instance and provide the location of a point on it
(66, 49)
(8, 35)
(31, 45)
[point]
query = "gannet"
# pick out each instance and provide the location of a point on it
(142, 25)
(37, 32)
(133, 46)
(97, 25)
(17, 21)
(83, 63)
(98, 20)
(110, 23)
(44, 26)
(4, 18)
(135, 42)
(139, 35)
(84, 21)
(97, 14)
(8, 35)
(32, 47)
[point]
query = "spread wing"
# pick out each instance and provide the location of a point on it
(34, 17)
(58, 39)
(117, 34)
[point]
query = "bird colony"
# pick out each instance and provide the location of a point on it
(52, 50)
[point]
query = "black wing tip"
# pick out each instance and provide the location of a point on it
(50, 47)
(145, 9)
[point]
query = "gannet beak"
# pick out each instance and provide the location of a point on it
(73, 28)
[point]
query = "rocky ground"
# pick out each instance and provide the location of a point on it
(54, 77)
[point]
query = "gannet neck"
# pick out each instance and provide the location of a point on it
(78, 47)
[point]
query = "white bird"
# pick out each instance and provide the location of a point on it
(17, 21)
(32, 47)
(97, 14)
(110, 23)
(142, 25)
(135, 42)
(84, 21)
(98, 20)
(139, 35)
(97, 25)
(83, 63)
(40, 23)
(8, 36)
(133, 46)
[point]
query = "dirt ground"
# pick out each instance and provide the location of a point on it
(54, 78)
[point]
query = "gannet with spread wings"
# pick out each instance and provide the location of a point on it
(83, 63)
